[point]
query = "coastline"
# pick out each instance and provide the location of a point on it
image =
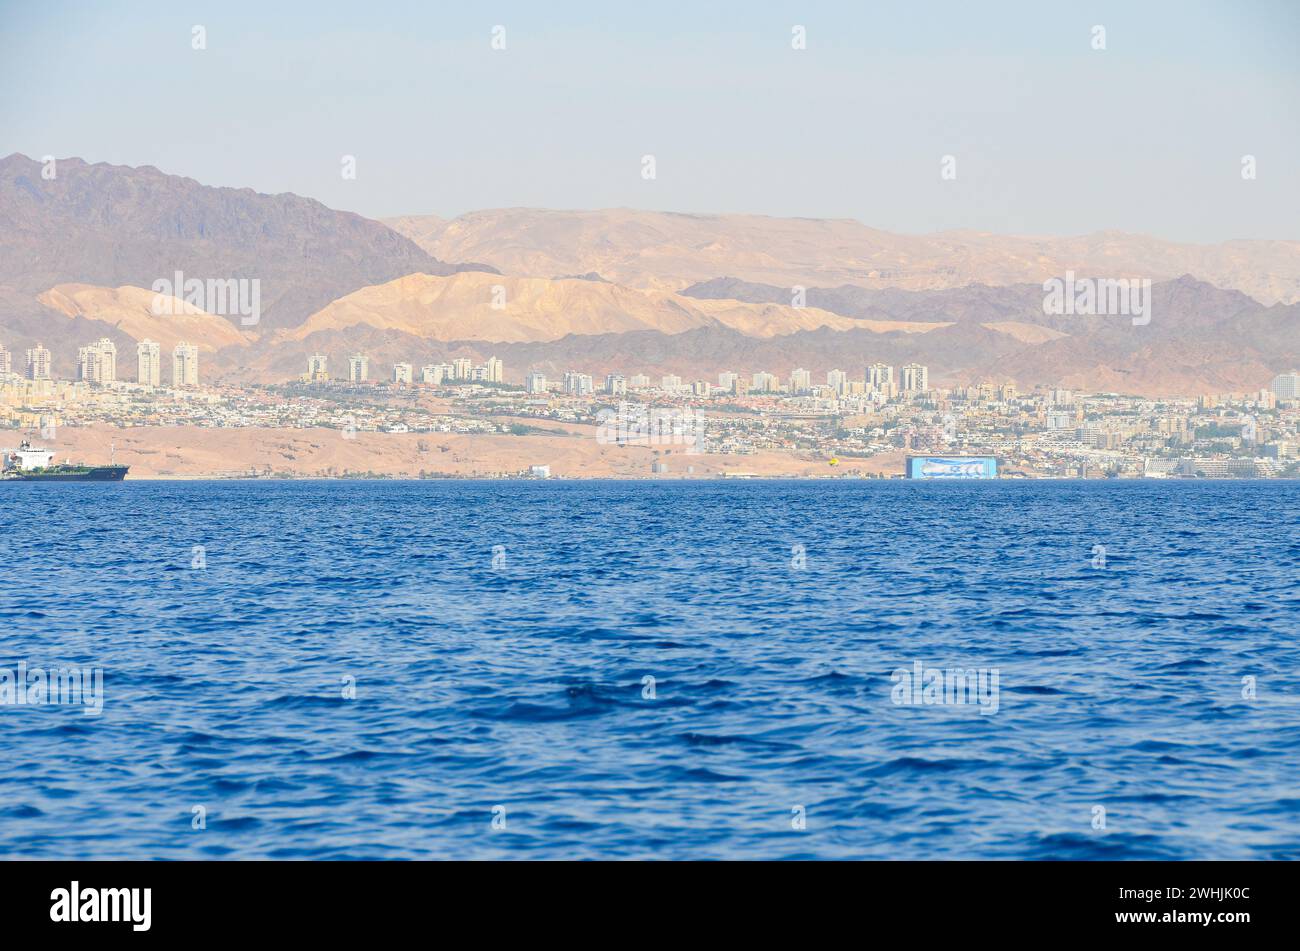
(255, 454)
(267, 454)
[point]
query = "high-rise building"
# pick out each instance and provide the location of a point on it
(461, 368)
(432, 373)
(107, 360)
(88, 363)
(358, 367)
(615, 385)
(701, 388)
(880, 376)
(148, 363)
(670, 383)
(915, 378)
(318, 368)
(495, 370)
(6, 362)
(38, 363)
(402, 373)
(763, 382)
(800, 381)
(97, 363)
(1286, 386)
(535, 383)
(185, 365)
(638, 381)
(578, 384)
(837, 380)
(727, 381)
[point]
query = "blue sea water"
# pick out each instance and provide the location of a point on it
(510, 682)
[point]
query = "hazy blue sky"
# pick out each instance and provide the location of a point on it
(1049, 134)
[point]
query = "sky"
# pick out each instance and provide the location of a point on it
(1047, 134)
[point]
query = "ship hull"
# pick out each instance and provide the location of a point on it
(96, 474)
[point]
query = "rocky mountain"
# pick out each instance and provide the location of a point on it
(672, 251)
(82, 245)
(109, 225)
(1200, 339)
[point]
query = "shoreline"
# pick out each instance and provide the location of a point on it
(257, 454)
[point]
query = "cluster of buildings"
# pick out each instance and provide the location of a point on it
(878, 411)
(1046, 431)
(878, 381)
(457, 371)
(97, 363)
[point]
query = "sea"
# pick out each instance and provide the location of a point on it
(826, 669)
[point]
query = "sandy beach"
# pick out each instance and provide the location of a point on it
(197, 452)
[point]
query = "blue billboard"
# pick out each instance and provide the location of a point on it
(952, 467)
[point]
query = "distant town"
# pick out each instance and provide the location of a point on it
(850, 417)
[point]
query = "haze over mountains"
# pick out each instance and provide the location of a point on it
(671, 251)
(618, 290)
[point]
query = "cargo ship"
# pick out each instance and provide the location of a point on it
(26, 464)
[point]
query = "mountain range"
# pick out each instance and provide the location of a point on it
(670, 251)
(617, 290)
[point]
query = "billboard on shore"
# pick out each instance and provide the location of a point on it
(952, 467)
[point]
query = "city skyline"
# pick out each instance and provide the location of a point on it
(859, 423)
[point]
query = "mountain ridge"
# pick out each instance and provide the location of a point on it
(672, 250)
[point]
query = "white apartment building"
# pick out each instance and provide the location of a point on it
(97, 363)
(148, 363)
(578, 384)
(880, 376)
(1286, 386)
(185, 365)
(38, 363)
(915, 378)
